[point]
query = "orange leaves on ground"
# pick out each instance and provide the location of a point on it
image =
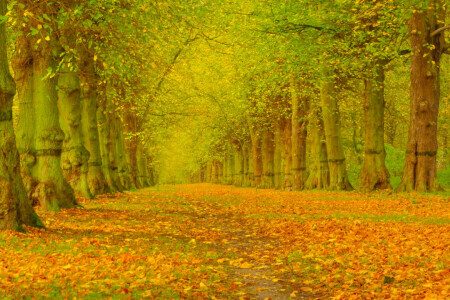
(209, 241)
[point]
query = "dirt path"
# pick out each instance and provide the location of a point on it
(252, 271)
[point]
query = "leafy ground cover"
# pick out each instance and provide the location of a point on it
(221, 242)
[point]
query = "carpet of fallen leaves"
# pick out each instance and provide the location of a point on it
(220, 242)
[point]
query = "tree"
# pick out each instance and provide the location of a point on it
(15, 209)
(39, 135)
(426, 30)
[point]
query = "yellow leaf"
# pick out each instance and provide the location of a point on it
(306, 289)
(246, 265)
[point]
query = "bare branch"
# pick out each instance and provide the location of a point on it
(439, 30)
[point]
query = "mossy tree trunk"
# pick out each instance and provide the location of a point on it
(374, 174)
(287, 155)
(15, 207)
(245, 156)
(319, 176)
(89, 81)
(335, 151)
(142, 167)
(123, 165)
(208, 171)
(299, 132)
(225, 169)
(277, 157)
(74, 157)
(268, 159)
(255, 137)
(251, 177)
(230, 168)
(112, 150)
(104, 132)
(38, 130)
(420, 162)
(238, 164)
(131, 124)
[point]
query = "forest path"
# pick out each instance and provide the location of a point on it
(253, 268)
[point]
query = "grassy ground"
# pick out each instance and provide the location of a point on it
(209, 241)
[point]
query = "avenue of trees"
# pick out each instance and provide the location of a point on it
(98, 96)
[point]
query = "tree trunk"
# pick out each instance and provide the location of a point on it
(238, 165)
(104, 132)
(15, 207)
(225, 168)
(277, 158)
(287, 155)
(335, 151)
(38, 130)
(142, 167)
(123, 165)
(208, 171)
(246, 179)
(257, 156)
(267, 159)
(319, 176)
(95, 178)
(112, 150)
(251, 177)
(299, 124)
(231, 171)
(74, 157)
(374, 174)
(420, 162)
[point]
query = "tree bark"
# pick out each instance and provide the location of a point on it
(374, 174)
(245, 156)
(319, 176)
(287, 155)
(420, 162)
(104, 132)
(335, 150)
(277, 158)
(123, 164)
(238, 164)
(74, 157)
(15, 207)
(267, 159)
(89, 81)
(299, 132)
(257, 156)
(38, 130)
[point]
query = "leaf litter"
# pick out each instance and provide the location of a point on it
(208, 241)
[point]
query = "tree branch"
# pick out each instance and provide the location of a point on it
(439, 30)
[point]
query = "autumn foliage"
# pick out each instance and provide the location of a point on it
(220, 242)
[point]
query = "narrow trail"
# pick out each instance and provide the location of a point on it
(257, 280)
(251, 271)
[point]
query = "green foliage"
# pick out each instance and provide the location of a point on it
(395, 161)
(444, 177)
